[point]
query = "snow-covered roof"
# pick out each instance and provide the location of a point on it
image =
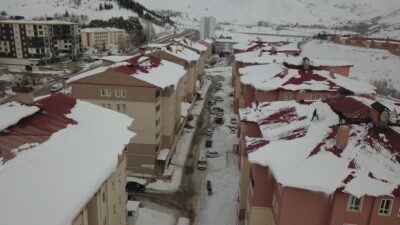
(178, 51)
(226, 40)
(260, 57)
(208, 41)
(189, 43)
(11, 113)
(297, 61)
(153, 70)
(117, 58)
(100, 29)
(272, 77)
(289, 47)
(57, 160)
(368, 165)
(95, 71)
(47, 22)
(150, 69)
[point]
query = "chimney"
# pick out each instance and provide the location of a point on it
(24, 95)
(332, 74)
(380, 114)
(285, 71)
(342, 136)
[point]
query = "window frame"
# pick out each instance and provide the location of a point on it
(317, 96)
(351, 204)
(286, 97)
(389, 210)
(117, 93)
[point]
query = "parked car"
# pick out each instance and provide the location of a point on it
(218, 85)
(218, 109)
(220, 114)
(209, 189)
(211, 154)
(233, 129)
(218, 98)
(218, 120)
(132, 186)
(218, 88)
(208, 143)
(56, 87)
(202, 161)
(233, 120)
(210, 132)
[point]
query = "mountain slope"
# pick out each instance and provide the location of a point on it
(35, 8)
(326, 12)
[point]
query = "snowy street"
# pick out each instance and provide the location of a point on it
(187, 195)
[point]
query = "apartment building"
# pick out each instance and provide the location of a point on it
(340, 168)
(183, 56)
(102, 38)
(209, 44)
(60, 164)
(275, 82)
(207, 27)
(148, 89)
(245, 59)
(32, 43)
(198, 48)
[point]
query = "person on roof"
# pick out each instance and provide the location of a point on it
(315, 114)
(306, 64)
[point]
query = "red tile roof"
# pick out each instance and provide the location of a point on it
(351, 109)
(139, 63)
(38, 127)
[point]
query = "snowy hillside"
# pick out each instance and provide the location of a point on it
(370, 65)
(325, 12)
(34, 8)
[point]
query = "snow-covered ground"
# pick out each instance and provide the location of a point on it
(369, 64)
(223, 173)
(148, 216)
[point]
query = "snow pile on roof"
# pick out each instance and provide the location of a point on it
(13, 112)
(153, 70)
(95, 71)
(252, 46)
(51, 182)
(260, 57)
(272, 77)
(189, 43)
(289, 47)
(297, 61)
(163, 154)
(132, 206)
(302, 153)
(185, 106)
(178, 51)
(117, 58)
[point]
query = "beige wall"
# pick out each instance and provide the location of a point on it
(261, 216)
(109, 202)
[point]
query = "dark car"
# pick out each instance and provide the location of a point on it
(132, 186)
(208, 143)
(218, 120)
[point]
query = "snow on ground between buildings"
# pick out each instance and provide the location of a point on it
(13, 112)
(152, 217)
(49, 184)
(369, 64)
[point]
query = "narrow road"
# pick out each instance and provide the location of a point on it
(183, 200)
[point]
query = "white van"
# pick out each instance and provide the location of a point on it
(202, 161)
(56, 87)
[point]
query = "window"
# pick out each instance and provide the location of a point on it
(354, 204)
(157, 93)
(123, 93)
(105, 92)
(317, 96)
(308, 96)
(109, 106)
(287, 96)
(117, 93)
(157, 108)
(385, 207)
(104, 196)
(325, 96)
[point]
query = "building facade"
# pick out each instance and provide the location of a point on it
(102, 38)
(142, 92)
(207, 27)
(32, 43)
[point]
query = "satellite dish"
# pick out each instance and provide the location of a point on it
(385, 116)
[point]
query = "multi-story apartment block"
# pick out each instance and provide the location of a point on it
(207, 27)
(197, 47)
(337, 168)
(60, 164)
(148, 89)
(32, 43)
(102, 38)
(183, 56)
